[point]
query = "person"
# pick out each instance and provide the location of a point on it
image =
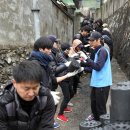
(66, 85)
(42, 54)
(107, 41)
(101, 78)
(55, 64)
(87, 21)
(105, 27)
(25, 103)
(105, 32)
(98, 25)
(56, 43)
(76, 52)
(76, 47)
(83, 36)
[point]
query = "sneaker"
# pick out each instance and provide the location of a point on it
(67, 110)
(90, 117)
(56, 125)
(62, 118)
(70, 104)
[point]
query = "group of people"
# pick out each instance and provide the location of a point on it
(97, 41)
(30, 101)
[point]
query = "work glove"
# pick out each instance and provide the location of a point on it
(70, 74)
(81, 69)
(87, 45)
(74, 55)
(67, 63)
(55, 97)
(83, 55)
(79, 61)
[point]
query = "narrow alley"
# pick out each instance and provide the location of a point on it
(52, 51)
(81, 101)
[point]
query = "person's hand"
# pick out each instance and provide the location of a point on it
(81, 69)
(55, 97)
(79, 61)
(87, 45)
(83, 55)
(67, 63)
(70, 74)
(74, 55)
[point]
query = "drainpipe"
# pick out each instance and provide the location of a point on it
(101, 8)
(35, 11)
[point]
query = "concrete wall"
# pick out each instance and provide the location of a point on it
(17, 30)
(77, 20)
(54, 21)
(119, 24)
(109, 8)
(17, 23)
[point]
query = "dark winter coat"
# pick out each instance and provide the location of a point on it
(49, 67)
(14, 117)
(43, 59)
(83, 39)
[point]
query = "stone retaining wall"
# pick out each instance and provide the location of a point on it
(17, 30)
(9, 57)
(119, 24)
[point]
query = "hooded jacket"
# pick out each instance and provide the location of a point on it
(14, 117)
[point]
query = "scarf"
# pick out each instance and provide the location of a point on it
(43, 58)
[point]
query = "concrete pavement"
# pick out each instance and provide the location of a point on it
(81, 101)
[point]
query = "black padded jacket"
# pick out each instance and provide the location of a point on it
(13, 117)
